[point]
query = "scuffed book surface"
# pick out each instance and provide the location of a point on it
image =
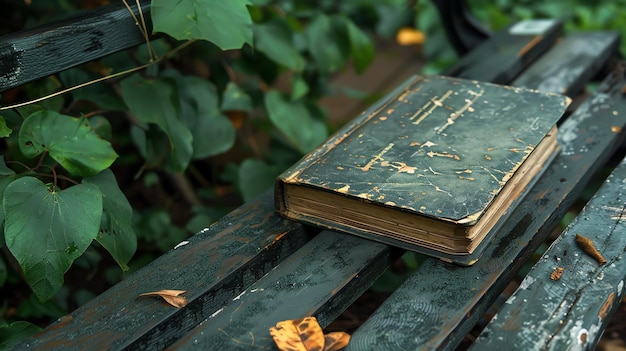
(440, 148)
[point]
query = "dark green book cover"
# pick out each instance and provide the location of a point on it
(440, 148)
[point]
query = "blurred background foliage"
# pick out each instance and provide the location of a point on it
(298, 49)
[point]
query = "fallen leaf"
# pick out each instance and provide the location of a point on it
(557, 273)
(305, 334)
(587, 246)
(170, 296)
(336, 341)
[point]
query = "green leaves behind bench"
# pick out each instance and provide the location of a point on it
(224, 23)
(46, 230)
(186, 110)
(69, 141)
(45, 227)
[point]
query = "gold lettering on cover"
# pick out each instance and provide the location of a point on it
(400, 166)
(444, 154)
(376, 158)
(422, 112)
(467, 107)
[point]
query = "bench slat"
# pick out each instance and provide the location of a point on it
(29, 55)
(300, 286)
(508, 52)
(579, 56)
(569, 313)
(439, 304)
(216, 265)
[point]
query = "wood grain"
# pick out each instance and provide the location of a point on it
(39, 52)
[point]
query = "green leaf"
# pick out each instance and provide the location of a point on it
(4, 182)
(32, 308)
(392, 17)
(361, 47)
(213, 133)
(155, 226)
(235, 99)
(70, 141)
(255, 176)
(116, 233)
(46, 230)
(294, 120)
(102, 127)
(6, 176)
(275, 39)
(327, 44)
(299, 87)
(4, 169)
(227, 24)
(152, 143)
(4, 130)
(154, 101)
(12, 334)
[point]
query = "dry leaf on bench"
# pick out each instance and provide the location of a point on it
(170, 296)
(587, 246)
(305, 334)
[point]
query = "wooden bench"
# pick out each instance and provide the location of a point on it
(251, 268)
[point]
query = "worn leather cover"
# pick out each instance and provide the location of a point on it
(437, 146)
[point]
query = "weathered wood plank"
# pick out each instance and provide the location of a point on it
(216, 265)
(32, 54)
(508, 52)
(310, 281)
(439, 303)
(579, 56)
(570, 313)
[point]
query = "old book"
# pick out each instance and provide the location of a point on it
(433, 167)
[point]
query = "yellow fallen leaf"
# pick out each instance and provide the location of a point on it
(305, 334)
(336, 341)
(410, 36)
(170, 296)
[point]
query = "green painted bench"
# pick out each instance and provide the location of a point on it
(252, 268)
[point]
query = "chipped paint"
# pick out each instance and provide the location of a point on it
(344, 189)
(527, 282)
(240, 295)
(12, 66)
(182, 243)
(582, 336)
(377, 157)
(606, 306)
(216, 313)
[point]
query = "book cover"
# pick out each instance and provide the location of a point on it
(440, 149)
